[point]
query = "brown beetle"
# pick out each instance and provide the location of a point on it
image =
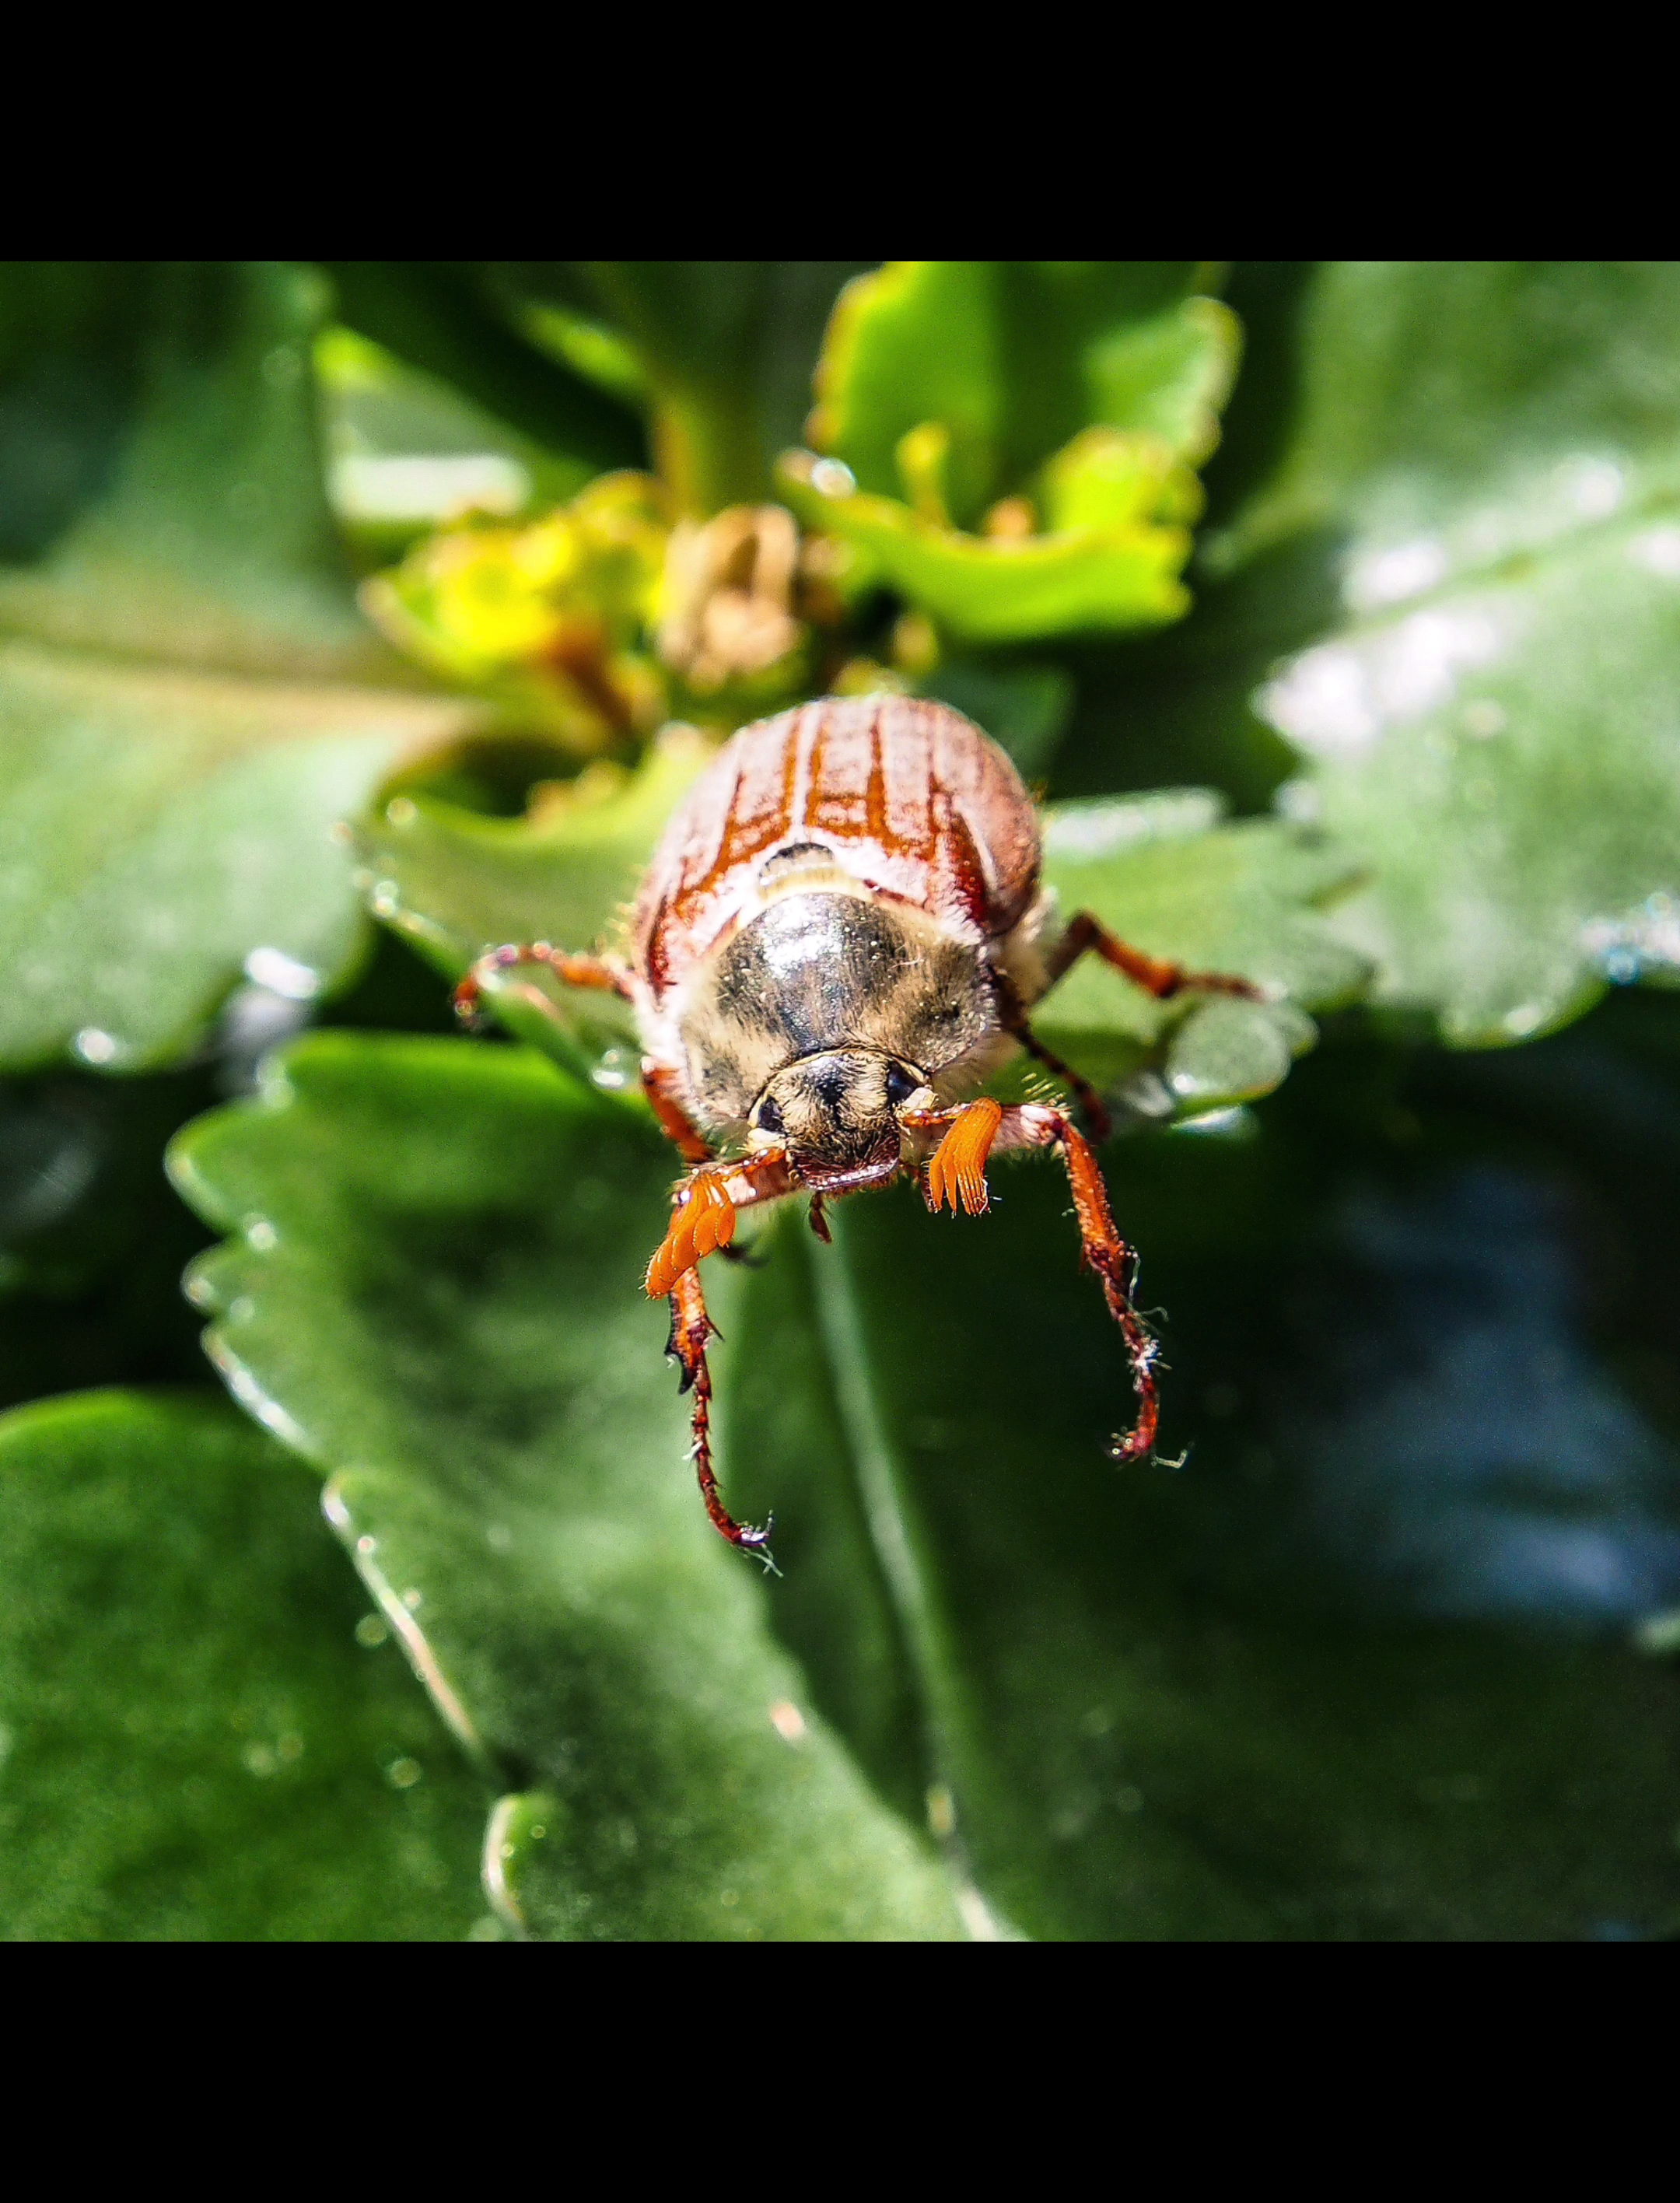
(837, 941)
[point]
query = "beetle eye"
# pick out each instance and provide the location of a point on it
(900, 1084)
(768, 1118)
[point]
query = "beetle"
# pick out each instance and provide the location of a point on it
(837, 941)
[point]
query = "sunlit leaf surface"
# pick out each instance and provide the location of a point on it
(161, 830)
(1012, 443)
(986, 592)
(1456, 592)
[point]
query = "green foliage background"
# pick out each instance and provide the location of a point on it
(1335, 609)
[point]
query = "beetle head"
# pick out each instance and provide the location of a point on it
(837, 1113)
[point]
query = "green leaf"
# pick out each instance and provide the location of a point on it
(1013, 358)
(435, 1296)
(458, 882)
(1142, 1700)
(447, 320)
(1087, 391)
(990, 590)
(158, 828)
(206, 536)
(407, 454)
(70, 334)
(199, 1743)
(1162, 872)
(1468, 552)
(181, 713)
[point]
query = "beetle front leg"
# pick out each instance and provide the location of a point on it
(957, 1171)
(956, 1167)
(1104, 1252)
(704, 1209)
(592, 972)
(691, 1329)
(660, 1086)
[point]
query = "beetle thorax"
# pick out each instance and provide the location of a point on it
(820, 970)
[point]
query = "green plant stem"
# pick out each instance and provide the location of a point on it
(706, 445)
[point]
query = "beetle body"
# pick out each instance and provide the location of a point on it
(843, 889)
(837, 941)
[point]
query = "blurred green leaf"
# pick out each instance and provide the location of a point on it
(205, 538)
(435, 1297)
(71, 334)
(1457, 593)
(448, 319)
(181, 717)
(158, 827)
(1012, 359)
(406, 452)
(197, 1745)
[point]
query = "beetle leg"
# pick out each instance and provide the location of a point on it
(1013, 1016)
(1153, 974)
(691, 1328)
(594, 971)
(1097, 1120)
(957, 1168)
(1104, 1253)
(702, 1216)
(659, 1085)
